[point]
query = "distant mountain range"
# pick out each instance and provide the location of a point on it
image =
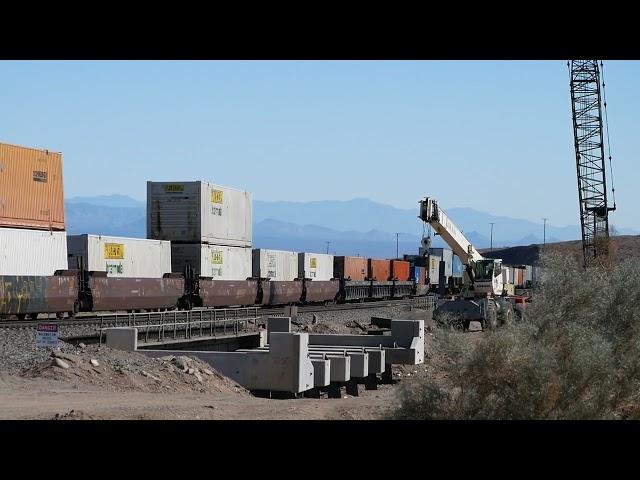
(358, 226)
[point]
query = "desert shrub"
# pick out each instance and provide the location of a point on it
(577, 355)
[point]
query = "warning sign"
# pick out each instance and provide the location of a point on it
(47, 335)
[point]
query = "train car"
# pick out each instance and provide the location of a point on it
(103, 293)
(31, 295)
(320, 291)
(226, 293)
(280, 292)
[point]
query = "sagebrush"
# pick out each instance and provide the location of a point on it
(577, 355)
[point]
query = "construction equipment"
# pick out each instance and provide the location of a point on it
(483, 293)
(586, 106)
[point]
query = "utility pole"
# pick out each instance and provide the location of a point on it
(492, 236)
(328, 243)
(544, 231)
(397, 244)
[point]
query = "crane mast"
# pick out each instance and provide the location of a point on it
(586, 108)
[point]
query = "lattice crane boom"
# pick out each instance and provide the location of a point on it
(586, 105)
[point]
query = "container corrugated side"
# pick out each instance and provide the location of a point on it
(352, 268)
(316, 266)
(32, 252)
(220, 262)
(199, 212)
(279, 265)
(120, 256)
(31, 188)
(379, 270)
(400, 270)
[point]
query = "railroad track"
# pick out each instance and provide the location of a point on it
(133, 319)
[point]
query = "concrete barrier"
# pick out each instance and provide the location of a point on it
(122, 338)
(286, 367)
(278, 324)
(321, 372)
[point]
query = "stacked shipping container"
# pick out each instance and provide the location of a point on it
(32, 237)
(209, 226)
(120, 257)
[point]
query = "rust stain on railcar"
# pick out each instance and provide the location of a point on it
(36, 294)
(321, 291)
(117, 293)
(279, 293)
(225, 293)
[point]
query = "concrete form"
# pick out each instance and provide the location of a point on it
(122, 338)
(298, 362)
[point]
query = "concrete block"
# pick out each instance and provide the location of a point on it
(122, 338)
(404, 331)
(285, 367)
(339, 367)
(321, 372)
(278, 324)
(263, 338)
(359, 364)
(291, 365)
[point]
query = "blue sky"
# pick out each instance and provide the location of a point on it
(491, 135)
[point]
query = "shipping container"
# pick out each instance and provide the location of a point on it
(32, 252)
(528, 276)
(415, 260)
(316, 266)
(350, 268)
(446, 255)
(418, 275)
(218, 262)
(518, 275)
(378, 269)
(457, 268)
(434, 269)
(119, 256)
(199, 212)
(31, 194)
(400, 270)
(277, 265)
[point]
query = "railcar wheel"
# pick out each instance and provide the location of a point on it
(21, 316)
(60, 315)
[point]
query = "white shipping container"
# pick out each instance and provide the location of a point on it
(199, 212)
(316, 266)
(446, 255)
(277, 265)
(32, 252)
(120, 256)
(434, 269)
(219, 262)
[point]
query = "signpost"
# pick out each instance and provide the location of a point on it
(47, 335)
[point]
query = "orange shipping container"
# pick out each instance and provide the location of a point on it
(31, 193)
(353, 268)
(400, 270)
(379, 270)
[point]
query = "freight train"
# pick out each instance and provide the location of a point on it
(68, 292)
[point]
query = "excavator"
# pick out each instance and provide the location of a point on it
(483, 296)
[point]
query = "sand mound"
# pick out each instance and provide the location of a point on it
(117, 370)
